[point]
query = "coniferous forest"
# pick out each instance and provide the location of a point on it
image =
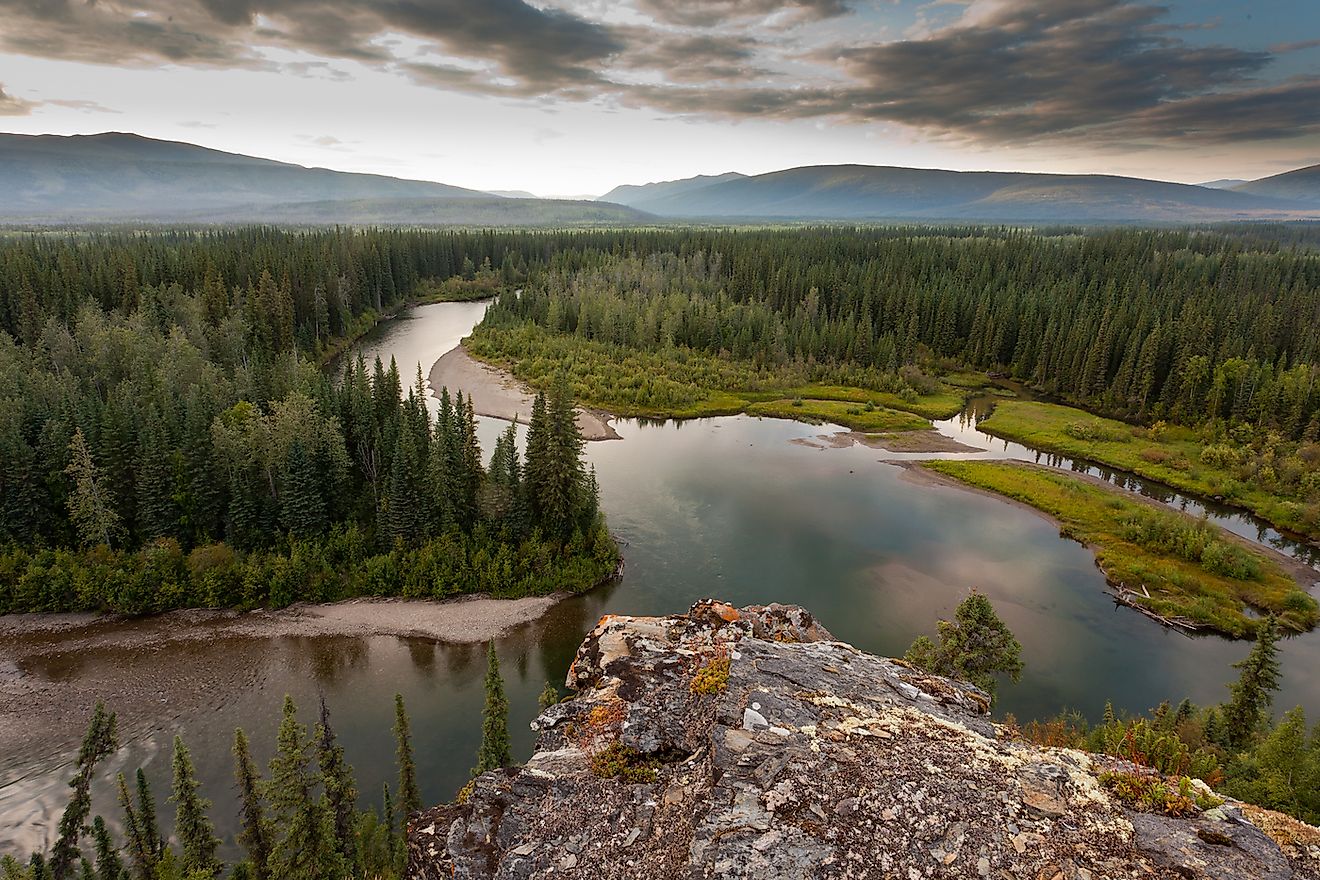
(169, 439)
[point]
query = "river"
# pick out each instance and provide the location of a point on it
(725, 507)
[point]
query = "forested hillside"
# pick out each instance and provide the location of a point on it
(166, 441)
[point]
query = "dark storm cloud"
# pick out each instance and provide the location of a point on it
(1007, 71)
(1274, 112)
(539, 49)
(1030, 70)
(12, 106)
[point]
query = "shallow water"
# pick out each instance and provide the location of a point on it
(724, 507)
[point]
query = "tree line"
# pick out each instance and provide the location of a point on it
(1143, 324)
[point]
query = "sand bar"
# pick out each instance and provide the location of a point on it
(497, 394)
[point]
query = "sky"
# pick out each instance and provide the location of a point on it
(573, 97)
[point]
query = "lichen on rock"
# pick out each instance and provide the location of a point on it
(813, 759)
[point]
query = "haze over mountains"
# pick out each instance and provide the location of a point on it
(117, 177)
(857, 192)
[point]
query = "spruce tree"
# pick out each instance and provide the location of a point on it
(1253, 692)
(410, 797)
(494, 752)
(90, 508)
(157, 515)
(340, 790)
(387, 809)
(303, 847)
(191, 824)
(302, 506)
(975, 646)
(537, 458)
(147, 814)
(108, 864)
(253, 835)
(142, 851)
(99, 741)
(549, 696)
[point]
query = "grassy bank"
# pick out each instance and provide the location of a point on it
(868, 418)
(1189, 567)
(681, 383)
(1273, 480)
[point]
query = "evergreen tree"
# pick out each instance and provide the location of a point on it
(142, 848)
(191, 824)
(108, 864)
(1253, 692)
(494, 752)
(147, 814)
(340, 791)
(303, 847)
(410, 797)
(549, 696)
(387, 813)
(254, 834)
(91, 511)
(536, 471)
(975, 646)
(157, 514)
(302, 507)
(99, 741)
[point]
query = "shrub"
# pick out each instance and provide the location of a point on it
(713, 677)
(1095, 432)
(617, 761)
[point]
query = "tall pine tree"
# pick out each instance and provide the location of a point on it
(494, 751)
(191, 824)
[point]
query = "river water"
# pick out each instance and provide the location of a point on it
(724, 507)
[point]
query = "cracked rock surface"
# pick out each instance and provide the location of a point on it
(809, 759)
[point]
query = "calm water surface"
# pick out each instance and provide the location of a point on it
(724, 507)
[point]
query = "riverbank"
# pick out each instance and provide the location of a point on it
(497, 394)
(47, 691)
(1223, 586)
(1172, 455)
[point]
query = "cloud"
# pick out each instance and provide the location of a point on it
(713, 13)
(83, 106)
(991, 72)
(13, 106)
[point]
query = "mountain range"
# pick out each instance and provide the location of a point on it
(126, 178)
(863, 192)
(118, 177)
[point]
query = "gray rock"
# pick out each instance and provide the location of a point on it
(816, 761)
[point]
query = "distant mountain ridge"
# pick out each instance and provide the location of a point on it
(119, 177)
(1302, 184)
(867, 192)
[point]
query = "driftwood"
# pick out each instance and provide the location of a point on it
(1124, 596)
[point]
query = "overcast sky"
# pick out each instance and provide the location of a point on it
(564, 97)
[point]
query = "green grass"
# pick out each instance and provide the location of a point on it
(1171, 456)
(1137, 545)
(682, 384)
(850, 415)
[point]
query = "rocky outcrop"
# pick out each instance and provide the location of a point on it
(749, 743)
